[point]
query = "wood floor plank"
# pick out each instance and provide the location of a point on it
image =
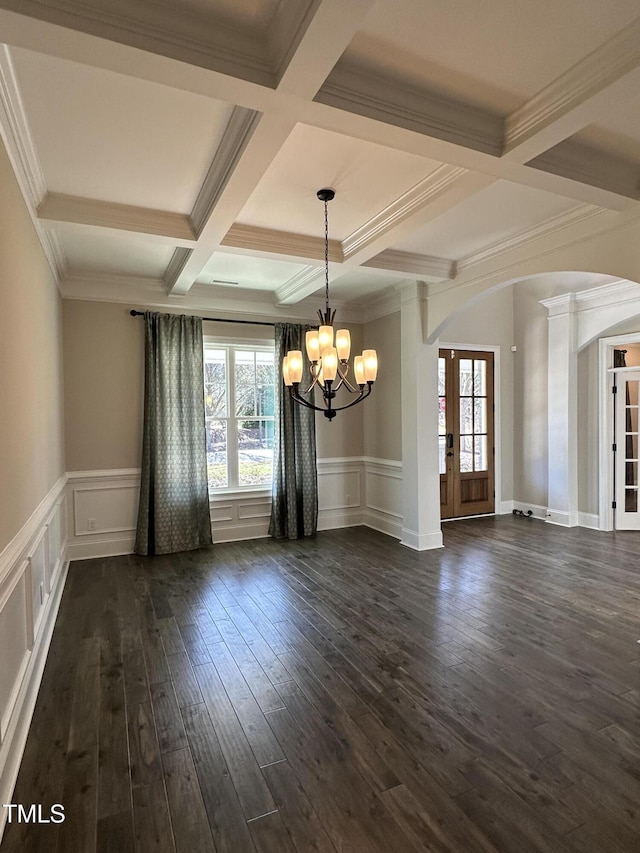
(479, 697)
(191, 830)
(226, 818)
(152, 824)
(169, 725)
(253, 793)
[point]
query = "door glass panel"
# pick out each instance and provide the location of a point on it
(631, 446)
(442, 464)
(480, 376)
(631, 473)
(480, 414)
(466, 416)
(442, 370)
(480, 453)
(632, 419)
(466, 377)
(630, 500)
(466, 453)
(632, 392)
(442, 416)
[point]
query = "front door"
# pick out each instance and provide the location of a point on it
(627, 507)
(465, 432)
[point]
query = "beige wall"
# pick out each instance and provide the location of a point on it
(31, 442)
(490, 322)
(104, 388)
(104, 382)
(383, 410)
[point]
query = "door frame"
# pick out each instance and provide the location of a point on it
(606, 371)
(499, 509)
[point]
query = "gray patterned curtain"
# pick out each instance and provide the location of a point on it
(294, 498)
(173, 514)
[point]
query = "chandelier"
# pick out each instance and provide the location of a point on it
(329, 357)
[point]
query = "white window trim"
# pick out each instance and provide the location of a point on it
(230, 345)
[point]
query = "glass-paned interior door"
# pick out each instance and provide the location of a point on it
(466, 432)
(627, 511)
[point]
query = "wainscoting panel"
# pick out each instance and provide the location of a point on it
(340, 492)
(383, 478)
(104, 510)
(33, 569)
(351, 490)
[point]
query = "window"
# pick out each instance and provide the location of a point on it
(239, 408)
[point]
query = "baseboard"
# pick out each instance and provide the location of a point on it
(421, 541)
(506, 507)
(590, 520)
(539, 512)
(97, 548)
(562, 518)
(383, 523)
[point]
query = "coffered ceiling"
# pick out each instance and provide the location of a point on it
(170, 150)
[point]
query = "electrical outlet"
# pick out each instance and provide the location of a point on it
(91, 524)
(348, 499)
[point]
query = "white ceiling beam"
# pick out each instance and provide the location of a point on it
(306, 51)
(426, 267)
(600, 83)
(243, 164)
(163, 226)
(390, 128)
(299, 248)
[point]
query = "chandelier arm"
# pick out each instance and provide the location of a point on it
(299, 399)
(364, 393)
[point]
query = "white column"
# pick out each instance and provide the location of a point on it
(420, 474)
(562, 412)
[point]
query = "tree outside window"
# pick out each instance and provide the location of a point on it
(239, 410)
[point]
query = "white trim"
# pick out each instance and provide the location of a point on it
(29, 529)
(43, 533)
(605, 425)
(537, 511)
(421, 542)
(589, 519)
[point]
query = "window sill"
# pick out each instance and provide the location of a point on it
(238, 494)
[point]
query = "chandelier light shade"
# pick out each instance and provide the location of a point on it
(328, 354)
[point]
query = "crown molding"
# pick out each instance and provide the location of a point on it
(306, 281)
(424, 266)
(598, 70)
(612, 294)
(299, 246)
(55, 250)
(556, 223)
(21, 150)
(242, 123)
(175, 266)
(419, 196)
(17, 134)
(174, 228)
(184, 34)
(587, 165)
(388, 303)
(360, 90)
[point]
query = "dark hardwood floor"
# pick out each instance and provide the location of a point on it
(344, 693)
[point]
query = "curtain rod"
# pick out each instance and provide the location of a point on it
(135, 313)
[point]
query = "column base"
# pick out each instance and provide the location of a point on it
(421, 541)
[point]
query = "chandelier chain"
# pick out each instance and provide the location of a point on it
(326, 257)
